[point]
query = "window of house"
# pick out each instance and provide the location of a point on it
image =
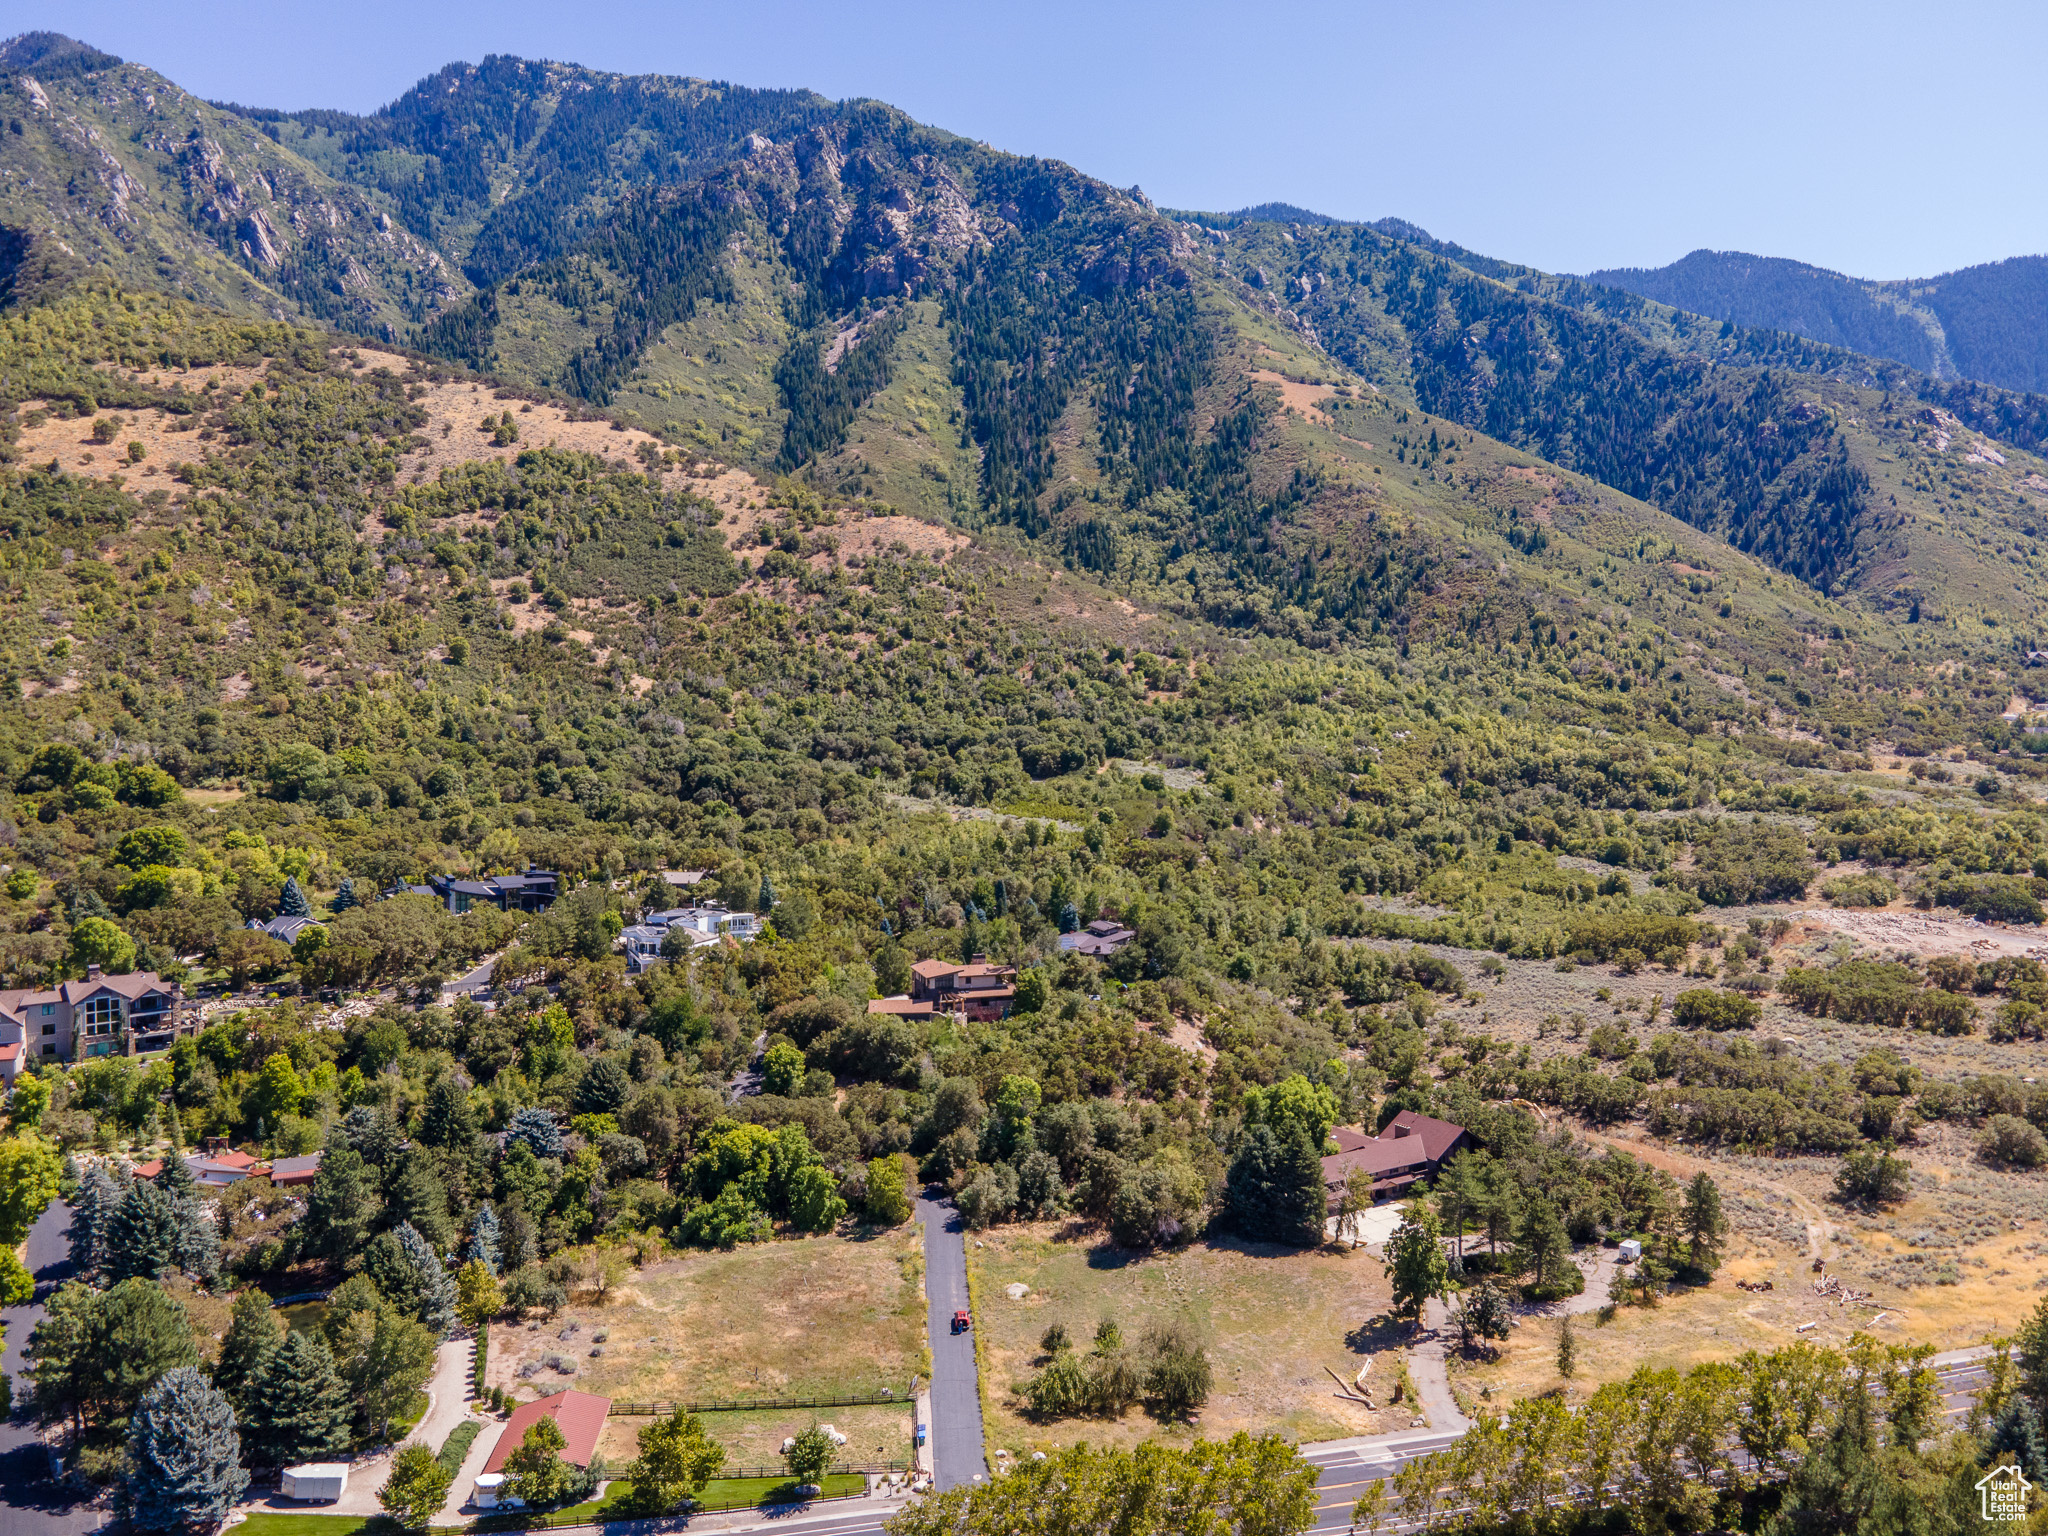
(48, 1009)
(102, 1015)
(49, 1029)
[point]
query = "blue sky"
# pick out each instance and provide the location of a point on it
(1877, 139)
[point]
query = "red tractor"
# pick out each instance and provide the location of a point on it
(962, 1322)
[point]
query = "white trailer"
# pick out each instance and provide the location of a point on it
(317, 1482)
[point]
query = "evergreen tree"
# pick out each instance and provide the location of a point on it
(345, 896)
(146, 1235)
(253, 1335)
(343, 1203)
(484, 1234)
(91, 1215)
(176, 1179)
(432, 1287)
(604, 1089)
(185, 1454)
(537, 1129)
(448, 1122)
(298, 1409)
(292, 901)
(418, 1198)
(2015, 1436)
(1702, 1222)
(1567, 1349)
(1275, 1188)
(765, 901)
(198, 1240)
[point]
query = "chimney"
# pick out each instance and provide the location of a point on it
(1403, 1130)
(92, 971)
(978, 960)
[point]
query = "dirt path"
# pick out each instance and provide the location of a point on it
(1427, 1366)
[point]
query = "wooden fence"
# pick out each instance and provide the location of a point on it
(622, 1410)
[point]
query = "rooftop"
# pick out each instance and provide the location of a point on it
(579, 1415)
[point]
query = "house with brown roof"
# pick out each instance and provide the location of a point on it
(900, 1007)
(99, 1016)
(579, 1416)
(1409, 1149)
(977, 989)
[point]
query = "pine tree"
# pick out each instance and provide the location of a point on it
(484, 1236)
(1702, 1222)
(343, 1203)
(765, 902)
(298, 1409)
(186, 1454)
(448, 1122)
(418, 1198)
(198, 1240)
(291, 902)
(91, 1214)
(253, 1335)
(1567, 1348)
(345, 896)
(176, 1178)
(146, 1234)
(430, 1281)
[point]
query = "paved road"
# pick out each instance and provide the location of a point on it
(956, 1389)
(31, 1505)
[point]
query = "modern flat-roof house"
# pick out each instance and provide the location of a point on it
(532, 890)
(99, 1016)
(710, 921)
(977, 989)
(1103, 937)
(1409, 1149)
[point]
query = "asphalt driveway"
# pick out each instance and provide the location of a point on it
(956, 1389)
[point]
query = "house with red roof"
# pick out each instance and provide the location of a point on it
(1409, 1149)
(579, 1416)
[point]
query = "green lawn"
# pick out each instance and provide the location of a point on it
(719, 1493)
(745, 1492)
(263, 1523)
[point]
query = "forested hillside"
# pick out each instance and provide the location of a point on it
(1982, 323)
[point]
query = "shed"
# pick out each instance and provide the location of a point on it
(1631, 1250)
(316, 1482)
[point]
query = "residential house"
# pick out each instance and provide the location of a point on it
(901, 1007)
(11, 1058)
(1409, 1149)
(286, 1172)
(977, 989)
(532, 890)
(682, 879)
(213, 1170)
(579, 1416)
(285, 930)
(1101, 938)
(642, 944)
(99, 1016)
(707, 922)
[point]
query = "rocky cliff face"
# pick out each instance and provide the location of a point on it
(133, 176)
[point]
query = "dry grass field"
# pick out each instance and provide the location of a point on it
(803, 1318)
(1271, 1318)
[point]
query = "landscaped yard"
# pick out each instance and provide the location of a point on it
(1272, 1319)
